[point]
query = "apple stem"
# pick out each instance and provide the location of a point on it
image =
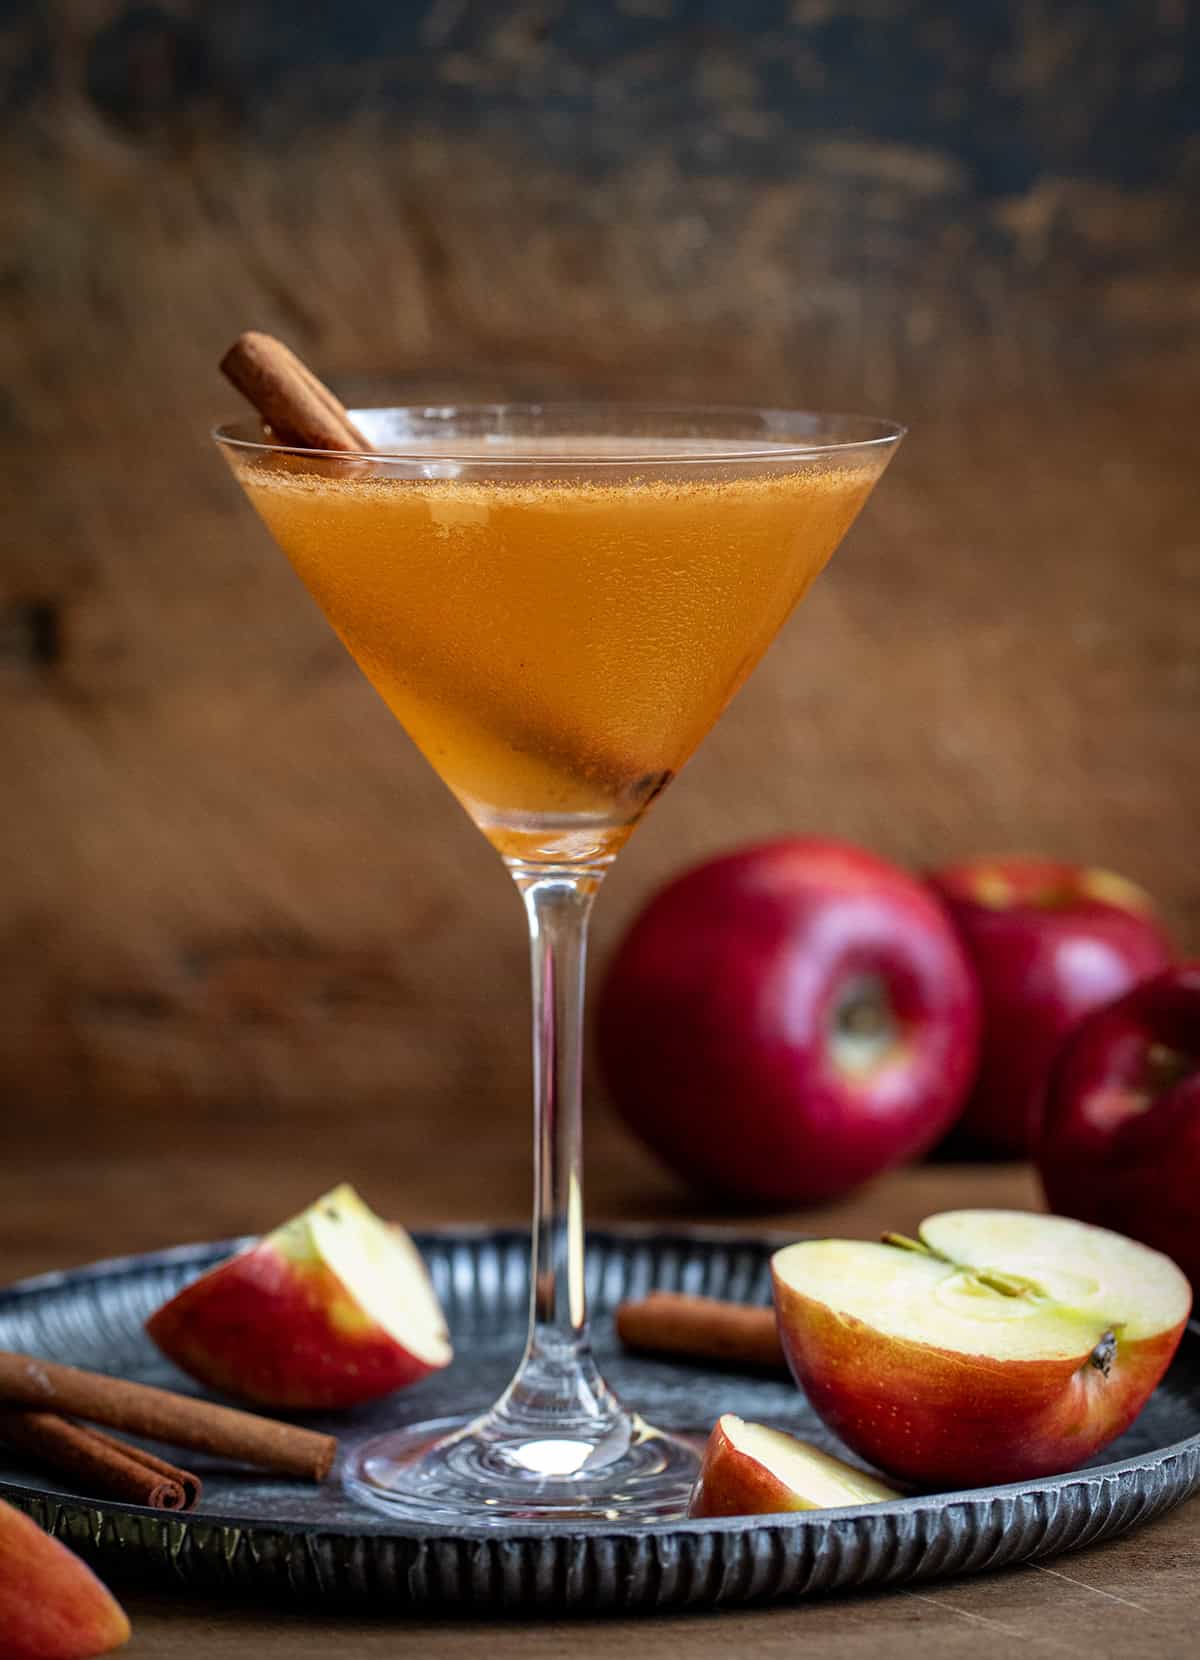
(863, 1027)
(903, 1242)
(1008, 1285)
(1166, 1067)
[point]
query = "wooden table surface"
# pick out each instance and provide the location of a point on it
(120, 1186)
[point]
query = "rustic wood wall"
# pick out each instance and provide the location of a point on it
(230, 893)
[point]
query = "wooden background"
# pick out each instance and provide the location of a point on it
(235, 908)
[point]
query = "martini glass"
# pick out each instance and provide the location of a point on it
(557, 602)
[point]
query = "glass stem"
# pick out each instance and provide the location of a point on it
(558, 1392)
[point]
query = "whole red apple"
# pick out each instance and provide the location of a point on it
(1050, 942)
(787, 1020)
(1120, 1138)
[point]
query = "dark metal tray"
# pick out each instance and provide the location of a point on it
(275, 1538)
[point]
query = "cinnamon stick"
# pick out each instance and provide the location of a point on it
(298, 408)
(162, 1415)
(191, 1484)
(701, 1328)
(99, 1463)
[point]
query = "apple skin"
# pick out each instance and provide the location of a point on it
(52, 1606)
(1050, 941)
(276, 1326)
(921, 1415)
(716, 1021)
(1120, 1140)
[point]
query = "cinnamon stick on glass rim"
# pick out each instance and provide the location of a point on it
(100, 1464)
(298, 408)
(701, 1328)
(161, 1415)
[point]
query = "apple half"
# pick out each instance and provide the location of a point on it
(753, 1470)
(332, 1309)
(998, 1346)
(52, 1606)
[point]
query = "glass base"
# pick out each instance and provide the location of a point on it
(464, 1472)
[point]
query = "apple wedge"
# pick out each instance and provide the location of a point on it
(997, 1347)
(52, 1606)
(752, 1470)
(332, 1309)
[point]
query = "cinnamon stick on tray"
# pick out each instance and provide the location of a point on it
(98, 1463)
(701, 1328)
(161, 1415)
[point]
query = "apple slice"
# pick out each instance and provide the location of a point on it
(752, 1470)
(333, 1308)
(997, 1347)
(52, 1606)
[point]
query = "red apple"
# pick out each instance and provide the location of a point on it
(52, 1606)
(786, 1021)
(1049, 942)
(332, 1309)
(1120, 1140)
(751, 1470)
(998, 1347)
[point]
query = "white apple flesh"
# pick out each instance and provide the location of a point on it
(753, 1470)
(997, 1347)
